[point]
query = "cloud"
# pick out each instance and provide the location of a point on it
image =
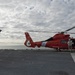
(18, 16)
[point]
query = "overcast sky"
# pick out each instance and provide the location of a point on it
(18, 16)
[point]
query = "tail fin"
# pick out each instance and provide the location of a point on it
(29, 42)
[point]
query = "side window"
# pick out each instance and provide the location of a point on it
(63, 41)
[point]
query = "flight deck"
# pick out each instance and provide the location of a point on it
(36, 62)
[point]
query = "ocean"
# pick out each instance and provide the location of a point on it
(12, 47)
(21, 47)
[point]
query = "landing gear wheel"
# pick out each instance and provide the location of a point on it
(58, 50)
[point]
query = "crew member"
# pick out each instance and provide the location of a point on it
(70, 44)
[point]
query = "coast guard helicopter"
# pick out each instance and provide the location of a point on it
(58, 41)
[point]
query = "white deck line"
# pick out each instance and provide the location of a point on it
(73, 56)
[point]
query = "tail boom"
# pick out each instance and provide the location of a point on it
(29, 42)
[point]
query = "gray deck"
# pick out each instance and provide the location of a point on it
(36, 62)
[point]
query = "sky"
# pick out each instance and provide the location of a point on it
(19, 16)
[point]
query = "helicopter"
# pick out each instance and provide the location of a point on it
(0, 30)
(59, 41)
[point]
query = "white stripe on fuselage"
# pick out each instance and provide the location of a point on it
(73, 56)
(43, 44)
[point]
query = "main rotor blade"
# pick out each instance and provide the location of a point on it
(41, 31)
(71, 33)
(48, 32)
(69, 29)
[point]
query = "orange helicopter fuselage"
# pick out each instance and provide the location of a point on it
(58, 41)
